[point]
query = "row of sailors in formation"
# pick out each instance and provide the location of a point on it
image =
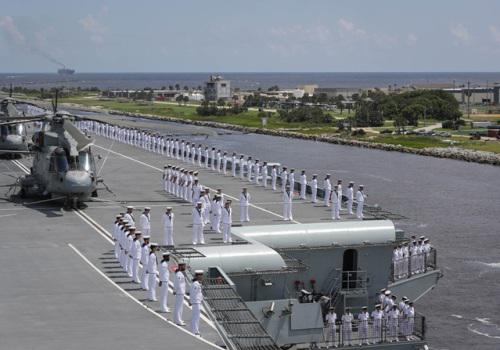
(395, 320)
(411, 259)
(131, 252)
(185, 184)
(249, 169)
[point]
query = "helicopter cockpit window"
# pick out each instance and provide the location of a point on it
(84, 161)
(20, 129)
(61, 162)
(4, 130)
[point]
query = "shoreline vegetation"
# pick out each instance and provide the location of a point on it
(454, 147)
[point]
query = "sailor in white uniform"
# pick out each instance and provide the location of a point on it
(291, 180)
(265, 175)
(207, 156)
(331, 327)
(145, 249)
(145, 221)
(327, 187)
(377, 316)
(314, 188)
(284, 179)
(198, 224)
(179, 291)
(136, 252)
(164, 279)
(168, 227)
(409, 315)
(393, 320)
(129, 215)
(244, 205)
(360, 200)
(227, 220)
(335, 204)
(249, 169)
(115, 228)
(216, 213)
(363, 319)
(256, 172)
(303, 184)
(287, 204)
(350, 197)
(195, 299)
(233, 164)
(224, 163)
(152, 271)
(339, 193)
(274, 177)
(347, 319)
(242, 165)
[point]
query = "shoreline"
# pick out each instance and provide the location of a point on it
(481, 157)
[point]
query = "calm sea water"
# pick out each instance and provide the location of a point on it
(244, 80)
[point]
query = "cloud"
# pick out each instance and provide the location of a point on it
(460, 33)
(411, 39)
(347, 27)
(35, 43)
(10, 28)
(495, 33)
(298, 39)
(93, 26)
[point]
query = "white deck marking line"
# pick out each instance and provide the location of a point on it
(160, 170)
(105, 159)
(105, 233)
(135, 300)
(2, 216)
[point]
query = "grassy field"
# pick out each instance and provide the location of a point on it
(251, 119)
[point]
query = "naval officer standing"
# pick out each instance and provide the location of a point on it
(179, 291)
(327, 187)
(227, 220)
(195, 299)
(152, 272)
(164, 279)
(244, 204)
(360, 199)
(303, 184)
(144, 261)
(350, 197)
(144, 221)
(314, 188)
(129, 215)
(198, 224)
(168, 227)
(287, 204)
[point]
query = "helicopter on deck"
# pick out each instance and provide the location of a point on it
(63, 163)
(13, 137)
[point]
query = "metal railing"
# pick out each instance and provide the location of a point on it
(413, 265)
(238, 325)
(375, 331)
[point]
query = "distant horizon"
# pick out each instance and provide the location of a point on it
(257, 72)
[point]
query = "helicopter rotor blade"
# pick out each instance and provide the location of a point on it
(83, 141)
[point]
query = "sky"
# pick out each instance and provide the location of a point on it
(250, 36)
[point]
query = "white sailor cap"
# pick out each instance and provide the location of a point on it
(166, 254)
(404, 298)
(133, 227)
(146, 237)
(199, 202)
(378, 306)
(125, 221)
(361, 186)
(168, 208)
(426, 240)
(153, 245)
(147, 208)
(351, 182)
(118, 216)
(422, 237)
(387, 292)
(198, 272)
(138, 233)
(130, 207)
(303, 291)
